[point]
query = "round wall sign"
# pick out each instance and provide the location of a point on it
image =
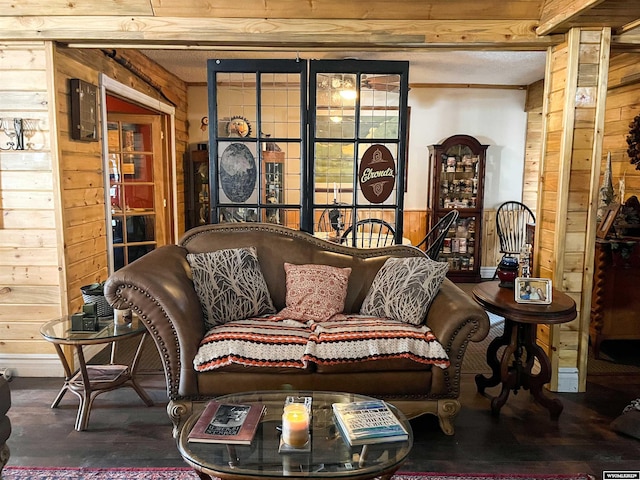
(377, 173)
(238, 172)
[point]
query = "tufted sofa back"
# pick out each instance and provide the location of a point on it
(276, 245)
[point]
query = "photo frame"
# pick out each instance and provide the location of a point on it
(608, 217)
(533, 290)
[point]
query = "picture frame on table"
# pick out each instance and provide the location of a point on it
(533, 290)
(608, 217)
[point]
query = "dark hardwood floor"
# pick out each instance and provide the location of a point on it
(124, 432)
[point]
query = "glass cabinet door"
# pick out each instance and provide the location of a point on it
(458, 178)
(459, 248)
(136, 198)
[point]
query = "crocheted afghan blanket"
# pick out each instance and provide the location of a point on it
(280, 342)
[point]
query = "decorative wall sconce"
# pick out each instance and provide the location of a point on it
(12, 128)
(16, 130)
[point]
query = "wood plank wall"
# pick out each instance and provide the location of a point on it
(623, 105)
(576, 82)
(533, 144)
(31, 273)
(81, 162)
(52, 227)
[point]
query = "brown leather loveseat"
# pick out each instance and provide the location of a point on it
(159, 288)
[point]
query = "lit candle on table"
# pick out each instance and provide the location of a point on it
(335, 192)
(295, 425)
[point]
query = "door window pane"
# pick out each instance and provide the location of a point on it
(336, 96)
(139, 197)
(132, 191)
(137, 167)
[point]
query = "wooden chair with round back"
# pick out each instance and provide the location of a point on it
(511, 225)
(369, 233)
(434, 240)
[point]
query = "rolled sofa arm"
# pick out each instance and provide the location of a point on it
(159, 289)
(455, 319)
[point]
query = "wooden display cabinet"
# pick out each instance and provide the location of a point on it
(457, 181)
(273, 184)
(197, 189)
(614, 305)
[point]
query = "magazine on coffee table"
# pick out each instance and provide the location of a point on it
(367, 422)
(233, 424)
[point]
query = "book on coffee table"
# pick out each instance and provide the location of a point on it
(233, 424)
(368, 422)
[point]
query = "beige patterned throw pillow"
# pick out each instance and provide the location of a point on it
(404, 288)
(315, 292)
(230, 285)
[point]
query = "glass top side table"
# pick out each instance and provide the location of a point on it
(89, 381)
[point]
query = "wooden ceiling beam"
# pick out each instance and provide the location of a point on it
(328, 9)
(631, 39)
(65, 7)
(354, 9)
(277, 32)
(556, 14)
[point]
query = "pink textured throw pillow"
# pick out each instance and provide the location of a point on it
(315, 292)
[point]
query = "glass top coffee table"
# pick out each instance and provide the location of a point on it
(328, 457)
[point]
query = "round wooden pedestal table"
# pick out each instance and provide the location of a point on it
(514, 369)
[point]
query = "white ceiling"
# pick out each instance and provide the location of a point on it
(442, 66)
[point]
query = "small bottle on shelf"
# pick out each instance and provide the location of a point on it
(471, 245)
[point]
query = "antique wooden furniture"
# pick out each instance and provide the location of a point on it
(197, 188)
(89, 381)
(614, 303)
(514, 369)
(512, 219)
(369, 233)
(328, 457)
(457, 181)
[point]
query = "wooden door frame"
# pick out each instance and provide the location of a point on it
(108, 84)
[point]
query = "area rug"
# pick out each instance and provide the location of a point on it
(35, 473)
(475, 357)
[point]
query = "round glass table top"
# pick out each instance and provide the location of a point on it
(329, 455)
(60, 331)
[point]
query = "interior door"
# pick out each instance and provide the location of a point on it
(137, 186)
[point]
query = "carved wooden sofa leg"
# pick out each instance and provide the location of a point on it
(447, 411)
(179, 411)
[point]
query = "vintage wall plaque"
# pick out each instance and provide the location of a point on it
(377, 173)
